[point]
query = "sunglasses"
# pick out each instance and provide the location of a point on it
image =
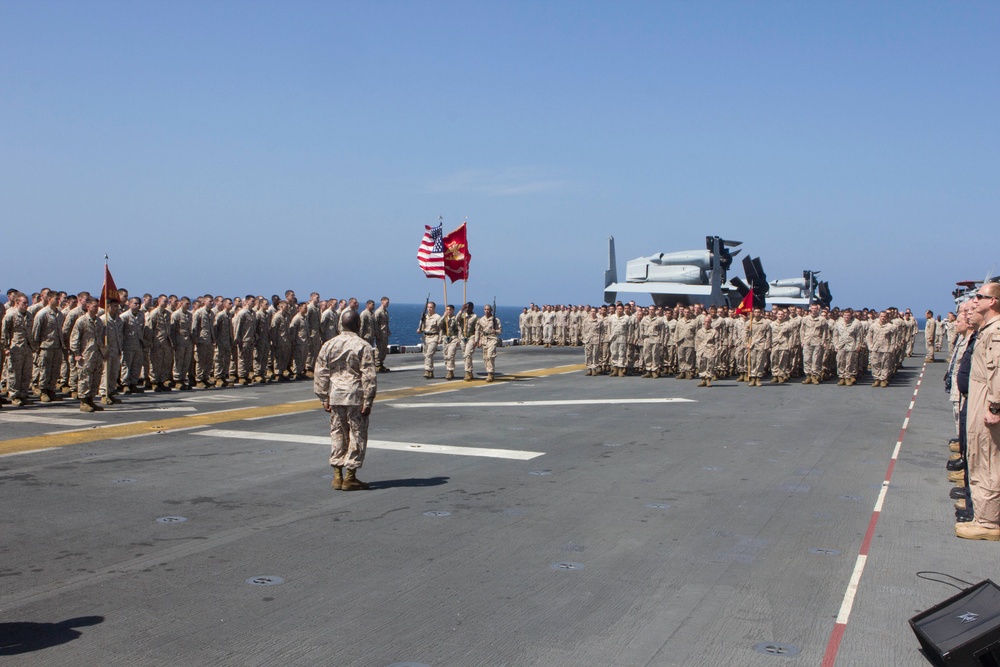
(978, 296)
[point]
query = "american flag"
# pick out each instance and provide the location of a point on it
(430, 256)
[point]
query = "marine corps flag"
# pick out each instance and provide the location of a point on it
(109, 292)
(456, 255)
(746, 305)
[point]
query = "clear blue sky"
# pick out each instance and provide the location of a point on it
(228, 147)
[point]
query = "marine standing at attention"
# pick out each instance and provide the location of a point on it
(86, 344)
(488, 336)
(382, 334)
(449, 329)
(346, 381)
(930, 331)
(430, 327)
(467, 334)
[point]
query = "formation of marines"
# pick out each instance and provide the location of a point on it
(54, 344)
(695, 342)
(973, 383)
(465, 331)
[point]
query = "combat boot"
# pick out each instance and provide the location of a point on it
(817, 379)
(589, 372)
(974, 531)
(954, 447)
(450, 375)
(86, 407)
(647, 374)
(956, 476)
(46, 397)
(468, 376)
(808, 380)
(654, 374)
(338, 478)
(703, 383)
(489, 377)
(708, 381)
(841, 382)
(97, 408)
(351, 482)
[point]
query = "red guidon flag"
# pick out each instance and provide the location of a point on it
(746, 305)
(109, 292)
(456, 255)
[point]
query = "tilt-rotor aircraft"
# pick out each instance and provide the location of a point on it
(700, 276)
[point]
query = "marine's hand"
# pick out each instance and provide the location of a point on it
(366, 411)
(326, 406)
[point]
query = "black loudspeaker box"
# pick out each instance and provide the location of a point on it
(964, 630)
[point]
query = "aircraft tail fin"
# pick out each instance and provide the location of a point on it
(611, 275)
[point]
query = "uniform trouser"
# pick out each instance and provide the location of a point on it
(652, 356)
(963, 448)
(847, 364)
(489, 352)
(536, 334)
(430, 347)
(604, 354)
(812, 359)
(634, 352)
(131, 367)
(280, 354)
(619, 352)
(707, 360)
(670, 358)
(829, 361)
(780, 363)
(261, 354)
(299, 349)
(468, 350)
(929, 344)
(547, 331)
(348, 436)
(983, 457)
(19, 372)
(233, 355)
(315, 342)
(590, 351)
(381, 350)
(203, 361)
(89, 376)
(222, 359)
(757, 362)
(909, 347)
(795, 362)
(685, 359)
(182, 363)
(880, 365)
(244, 359)
(111, 372)
(159, 363)
(450, 352)
(50, 361)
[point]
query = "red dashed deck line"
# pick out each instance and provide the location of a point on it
(840, 627)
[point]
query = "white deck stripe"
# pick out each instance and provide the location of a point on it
(852, 590)
(519, 455)
(881, 496)
(42, 419)
(528, 404)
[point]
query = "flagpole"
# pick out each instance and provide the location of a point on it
(107, 322)
(465, 281)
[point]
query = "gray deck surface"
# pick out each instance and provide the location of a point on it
(683, 533)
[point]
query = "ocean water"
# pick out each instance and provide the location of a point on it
(404, 318)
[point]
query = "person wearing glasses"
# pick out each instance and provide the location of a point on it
(983, 419)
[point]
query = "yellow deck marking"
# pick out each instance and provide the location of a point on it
(108, 432)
